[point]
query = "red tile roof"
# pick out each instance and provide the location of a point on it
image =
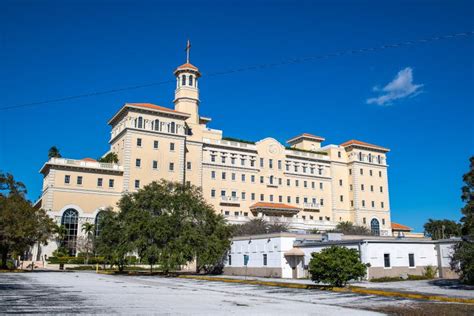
(279, 206)
(397, 227)
(153, 106)
(89, 159)
(353, 142)
(187, 66)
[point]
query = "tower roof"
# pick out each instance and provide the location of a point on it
(187, 67)
(358, 143)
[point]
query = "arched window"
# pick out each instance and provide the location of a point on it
(190, 80)
(375, 227)
(140, 122)
(183, 80)
(98, 222)
(70, 221)
(172, 128)
(360, 156)
(157, 125)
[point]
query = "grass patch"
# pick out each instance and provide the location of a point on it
(397, 279)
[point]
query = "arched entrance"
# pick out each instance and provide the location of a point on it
(375, 227)
(70, 221)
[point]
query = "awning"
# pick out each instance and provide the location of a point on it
(294, 252)
(274, 207)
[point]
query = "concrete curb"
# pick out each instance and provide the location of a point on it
(351, 289)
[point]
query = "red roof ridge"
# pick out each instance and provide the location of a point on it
(154, 107)
(187, 65)
(89, 159)
(361, 143)
(273, 205)
(397, 226)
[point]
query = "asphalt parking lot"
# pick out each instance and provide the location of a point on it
(90, 293)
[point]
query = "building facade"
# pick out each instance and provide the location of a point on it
(287, 255)
(304, 183)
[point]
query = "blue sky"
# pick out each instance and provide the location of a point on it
(56, 49)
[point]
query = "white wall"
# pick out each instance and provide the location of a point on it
(425, 254)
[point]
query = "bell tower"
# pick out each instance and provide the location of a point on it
(186, 95)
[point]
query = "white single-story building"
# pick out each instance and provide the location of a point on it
(287, 255)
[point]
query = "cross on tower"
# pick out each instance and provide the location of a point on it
(188, 48)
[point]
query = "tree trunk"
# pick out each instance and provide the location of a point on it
(4, 258)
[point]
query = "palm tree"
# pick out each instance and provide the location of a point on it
(88, 229)
(53, 152)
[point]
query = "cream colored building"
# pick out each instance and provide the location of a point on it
(306, 183)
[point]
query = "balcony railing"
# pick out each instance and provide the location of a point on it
(229, 199)
(85, 164)
(311, 206)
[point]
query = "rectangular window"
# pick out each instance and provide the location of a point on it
(67, 179)
(252, 196)
(381, 204)
(252, 163)
(139, 142)
(350, 171)
(138, 162)
(111, 183)
(243, 177)
(234, 194)
(213, 193)
(262, 197)
(233, 176)
(232, 160)
(264, 259)
(230, 260)
(386, 260)
(288, 199)
(380, 174)
(137, 184)
(213, 174)
(171, 146)
(373, 204)
(370, 172)
(339, 154)
(350, 187)
(155, 164)
(297, 182)
(340, 182)
(372, 188)
(361, 171)
(252, 178)
(280, 181)
(383, 221)
(313, 185)
(364, 221)
(279, 164)
(79, 180)
(270, 163)
(242, 162)
(321, 201)
(223, 176)
(188, 165)
(223, 193)
(155, 144)
(243, 195)
(213, 158)
(381, 189)
(321, 185)
(288, 182)
(411, 260)
(171, 166)
(280, 199)
(271, 197)
(297, 200)
(261, 162)
(223, 159)
(352, 203)
(363, 203)
(341, 198)
(99, 182)
(261, 179)
(362, 187)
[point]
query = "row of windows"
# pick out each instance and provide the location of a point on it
(371, 173)
(79, 180)
(387, 263)
(371, 158)
(271, 180)
(382, 205)
(190, 80)
(362, 187)
(243, 196)
(246, 214)
(155, 144)
(154, 164)
(157, 125)
(271, 164)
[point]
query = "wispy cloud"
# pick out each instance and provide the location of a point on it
(400, 87)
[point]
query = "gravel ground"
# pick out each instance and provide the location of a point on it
(90, 293)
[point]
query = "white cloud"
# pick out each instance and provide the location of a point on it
(400, 87)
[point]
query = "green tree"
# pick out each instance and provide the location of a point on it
(336, 266)
(21, 225)
(53, 152)
(442, 229)
(258, 226)
(113, 243)
(348, 228)
(89, 230)
(110, 158)
(171, 224)
(462, 260)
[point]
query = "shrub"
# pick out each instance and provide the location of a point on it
(336, 266)
(386, 279)
(430, 272)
